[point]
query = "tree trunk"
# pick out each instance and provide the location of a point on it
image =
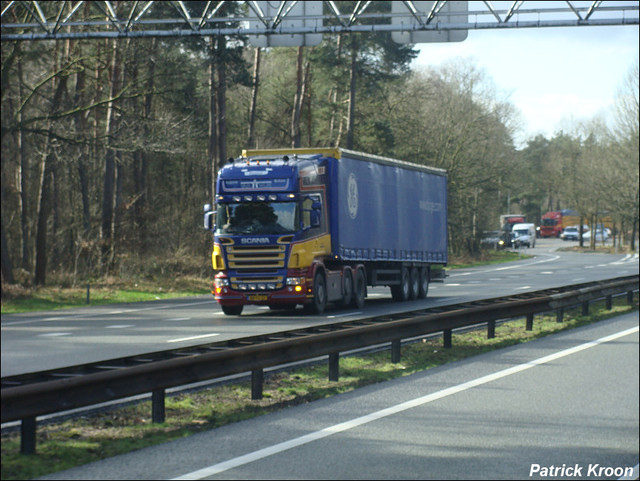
(352, 93)
(44, 196)
(21, 182)
(7, 267)
(222, 101)
(213, 114)
(44, 207)
(297, 103)
(251, 141)
(108, 192)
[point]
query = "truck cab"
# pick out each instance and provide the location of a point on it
(268, 210)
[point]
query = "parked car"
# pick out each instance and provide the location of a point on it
(601, 235)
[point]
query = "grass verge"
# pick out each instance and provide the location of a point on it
(74, 442)
(108, 291)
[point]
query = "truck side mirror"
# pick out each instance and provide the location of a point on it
(208, 217)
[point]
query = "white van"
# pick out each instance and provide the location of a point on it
(525, 234)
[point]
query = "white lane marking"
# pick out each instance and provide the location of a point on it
(177, 319)
(353, 423)
(344, 315)
(55, 334)
(627, 259)
(523, 287)
(120, 326)
(552, 258)
(546, 272)
(193, 337)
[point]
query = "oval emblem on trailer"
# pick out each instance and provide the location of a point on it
(352, 196)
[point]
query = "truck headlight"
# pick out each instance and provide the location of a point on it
(295, 281)
(220, 282)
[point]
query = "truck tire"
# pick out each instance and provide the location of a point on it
(232, 310)
(414, 283)
(424, 283)
(319, 302)
(347, 289)
(401, 292)
(360, 290)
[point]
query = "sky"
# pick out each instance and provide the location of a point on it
(555, 76)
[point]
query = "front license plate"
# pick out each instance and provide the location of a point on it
(258, 297)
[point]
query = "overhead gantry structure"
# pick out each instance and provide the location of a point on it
(273, 23)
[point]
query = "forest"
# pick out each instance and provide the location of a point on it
(110, 147)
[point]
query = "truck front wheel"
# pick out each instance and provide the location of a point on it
(319, 302)
(232, 310)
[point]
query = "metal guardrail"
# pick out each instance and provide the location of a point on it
(26, 397)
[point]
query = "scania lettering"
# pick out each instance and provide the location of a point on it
(313, 226)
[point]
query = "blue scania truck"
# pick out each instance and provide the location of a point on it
(314, 226)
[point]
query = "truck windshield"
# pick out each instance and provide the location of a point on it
(257, 218)
(551, 222)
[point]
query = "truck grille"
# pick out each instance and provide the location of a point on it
(256, 257)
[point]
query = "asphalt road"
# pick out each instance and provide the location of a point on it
(47, 340)
(565, 401)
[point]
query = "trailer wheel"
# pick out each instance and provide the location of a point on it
(360, 289)
(424, 283)
(414, 283)
(401, 292)
(319, 302)
(232, 310)
(347, 295)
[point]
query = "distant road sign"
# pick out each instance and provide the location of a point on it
(422, 13)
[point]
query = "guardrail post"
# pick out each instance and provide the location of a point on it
(491, 329)
(334, 366)
(585, 308)
(630, 297)
(257, 378)
(157, 406)
(446, 338)
(395, 351)
(529, 325)
(28, 436)
(608, 303)
(559, 314)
